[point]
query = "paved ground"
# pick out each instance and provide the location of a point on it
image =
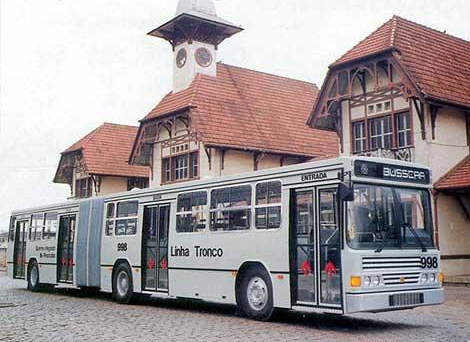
(62, 315)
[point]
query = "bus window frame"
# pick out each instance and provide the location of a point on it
(250, 207)
(426, 218)
(11, 229)
(206, 211)
(115, 218)
(40, 227)
(255, 206)
(56, 227)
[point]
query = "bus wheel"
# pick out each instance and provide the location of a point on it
(256, 296)
(122, 284)
(33, 277)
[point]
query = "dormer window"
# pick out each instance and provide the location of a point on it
(181, 167)
(389, 132)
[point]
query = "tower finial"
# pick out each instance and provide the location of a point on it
(202, 6)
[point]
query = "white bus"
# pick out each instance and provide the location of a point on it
(339, 236)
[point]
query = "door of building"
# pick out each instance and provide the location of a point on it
(155, 248)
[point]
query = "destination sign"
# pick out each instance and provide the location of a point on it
(397, 173)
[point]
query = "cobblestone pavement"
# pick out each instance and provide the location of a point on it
(70, 315)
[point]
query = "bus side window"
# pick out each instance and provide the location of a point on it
(11, 232)
(110, 219)
(126, 218)
(231, 208)
(268, 205)
(36, 227)
(50, 227)
(191, 212)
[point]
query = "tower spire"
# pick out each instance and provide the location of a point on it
(195, 34)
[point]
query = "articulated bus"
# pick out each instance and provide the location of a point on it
(339, 236)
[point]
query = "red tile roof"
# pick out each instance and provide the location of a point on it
(456, 178)
(106, 151)
(438, 63)
(246, 109)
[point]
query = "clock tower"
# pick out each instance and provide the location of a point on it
(194, 34)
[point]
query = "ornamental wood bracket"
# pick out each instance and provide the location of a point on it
(419, 106)
(434, 111)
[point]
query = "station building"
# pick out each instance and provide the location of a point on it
(404, 93)
(401, 93)
(97, 164)
(220, 119)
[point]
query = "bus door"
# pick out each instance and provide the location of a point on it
(155, 247)
(65, 260)
(19, 250)
(315, 248)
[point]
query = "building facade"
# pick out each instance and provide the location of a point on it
(221, 119)
(404, 93)
(98, 165)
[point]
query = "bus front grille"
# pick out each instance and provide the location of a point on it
(391, 263)
(406, 299)
(401, 278)
(396, 271)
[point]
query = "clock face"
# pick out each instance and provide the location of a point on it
(181, 58)
(203, 57)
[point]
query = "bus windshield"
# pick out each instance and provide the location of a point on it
(389, 217)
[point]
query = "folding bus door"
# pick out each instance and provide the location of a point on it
(315, 248)
(155, 248)
(19, 250)
(65, 261)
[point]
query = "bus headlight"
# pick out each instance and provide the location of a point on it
(432, 278)
(424, 278)
(375, 281)
(366, 281)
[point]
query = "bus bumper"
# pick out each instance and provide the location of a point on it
(377, 302)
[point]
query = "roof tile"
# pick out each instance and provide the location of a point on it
(457, 178)
(247, 109)
(106, 151)
(438, 63)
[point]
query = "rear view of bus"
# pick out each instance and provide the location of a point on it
(390, 256)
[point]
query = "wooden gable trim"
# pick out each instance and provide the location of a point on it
(142, 149)
(434, 109)
(326, 107)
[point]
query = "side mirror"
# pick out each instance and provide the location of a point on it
(345, 192)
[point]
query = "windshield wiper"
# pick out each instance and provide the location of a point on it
(421, 243)
(384, 242)
(395, 225)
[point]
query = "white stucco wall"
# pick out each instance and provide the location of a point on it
(454, 235)
(110, 185)
(182, 77)
(450, 145)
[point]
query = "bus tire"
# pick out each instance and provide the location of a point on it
(123, 288)
(33, 277)
(256, 294)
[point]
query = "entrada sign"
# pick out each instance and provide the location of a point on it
(316, 176)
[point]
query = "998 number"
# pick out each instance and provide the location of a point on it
(429, 262)
(122, 247)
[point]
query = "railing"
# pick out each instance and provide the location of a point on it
(404, 154)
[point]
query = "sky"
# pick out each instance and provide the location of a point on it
(67, 66)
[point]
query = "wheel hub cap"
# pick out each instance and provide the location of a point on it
(34, 276)
(122, 283)
(257, 293)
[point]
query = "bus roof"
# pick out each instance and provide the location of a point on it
(346, 163)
